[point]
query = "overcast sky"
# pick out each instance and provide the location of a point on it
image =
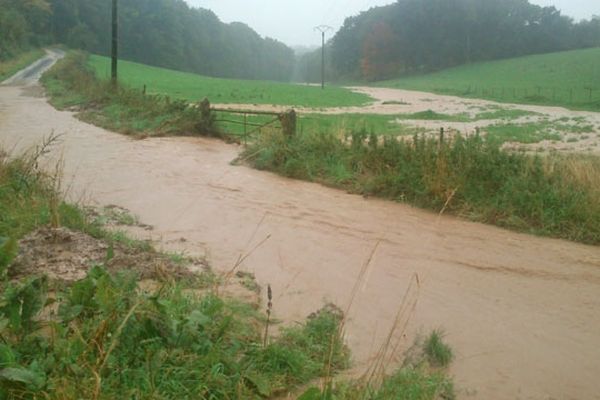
(292, 21)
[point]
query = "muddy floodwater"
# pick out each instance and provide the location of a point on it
(521, 313)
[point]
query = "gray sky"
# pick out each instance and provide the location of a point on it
(292, 22)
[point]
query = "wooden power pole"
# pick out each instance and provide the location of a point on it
(323, 29)
(115, 42)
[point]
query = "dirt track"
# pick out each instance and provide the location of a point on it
(521, 312)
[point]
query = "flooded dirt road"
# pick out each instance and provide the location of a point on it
(522, 313)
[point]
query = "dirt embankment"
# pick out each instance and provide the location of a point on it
(520, 312)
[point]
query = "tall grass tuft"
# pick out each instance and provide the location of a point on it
(438, 353)
(553, 195)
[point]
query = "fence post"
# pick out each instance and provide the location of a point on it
(245, 128)
(288, 123)
(441, 135)
(144, 90)
(205, 111)
(205, 107)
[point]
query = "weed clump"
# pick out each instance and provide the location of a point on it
(104, 338)
(417, 379)
(439, 354)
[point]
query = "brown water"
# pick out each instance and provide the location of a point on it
(522, 313)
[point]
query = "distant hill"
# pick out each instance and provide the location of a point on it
(164, 33)
(570, 78)
(420, 36)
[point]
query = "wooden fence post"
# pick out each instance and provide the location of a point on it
(205, 108)
(245, 128)
(288, 123)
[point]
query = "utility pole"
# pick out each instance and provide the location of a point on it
(115, 42)
(323, 29)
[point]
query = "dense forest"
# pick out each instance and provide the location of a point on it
(164, 33)
(407, 37)
(413, 36)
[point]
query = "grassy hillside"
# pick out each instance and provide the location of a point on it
(195, 87)
(570, 79)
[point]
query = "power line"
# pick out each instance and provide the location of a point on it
(115, 42)
(328, 13)
(323, 29)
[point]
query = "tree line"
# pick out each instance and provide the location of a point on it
(417, 36)
(164, 33)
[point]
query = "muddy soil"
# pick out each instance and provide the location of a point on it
(520, 312)
(65, 255)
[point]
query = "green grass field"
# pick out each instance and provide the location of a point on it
(194, 87)
(570, 79)
(130, 112)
